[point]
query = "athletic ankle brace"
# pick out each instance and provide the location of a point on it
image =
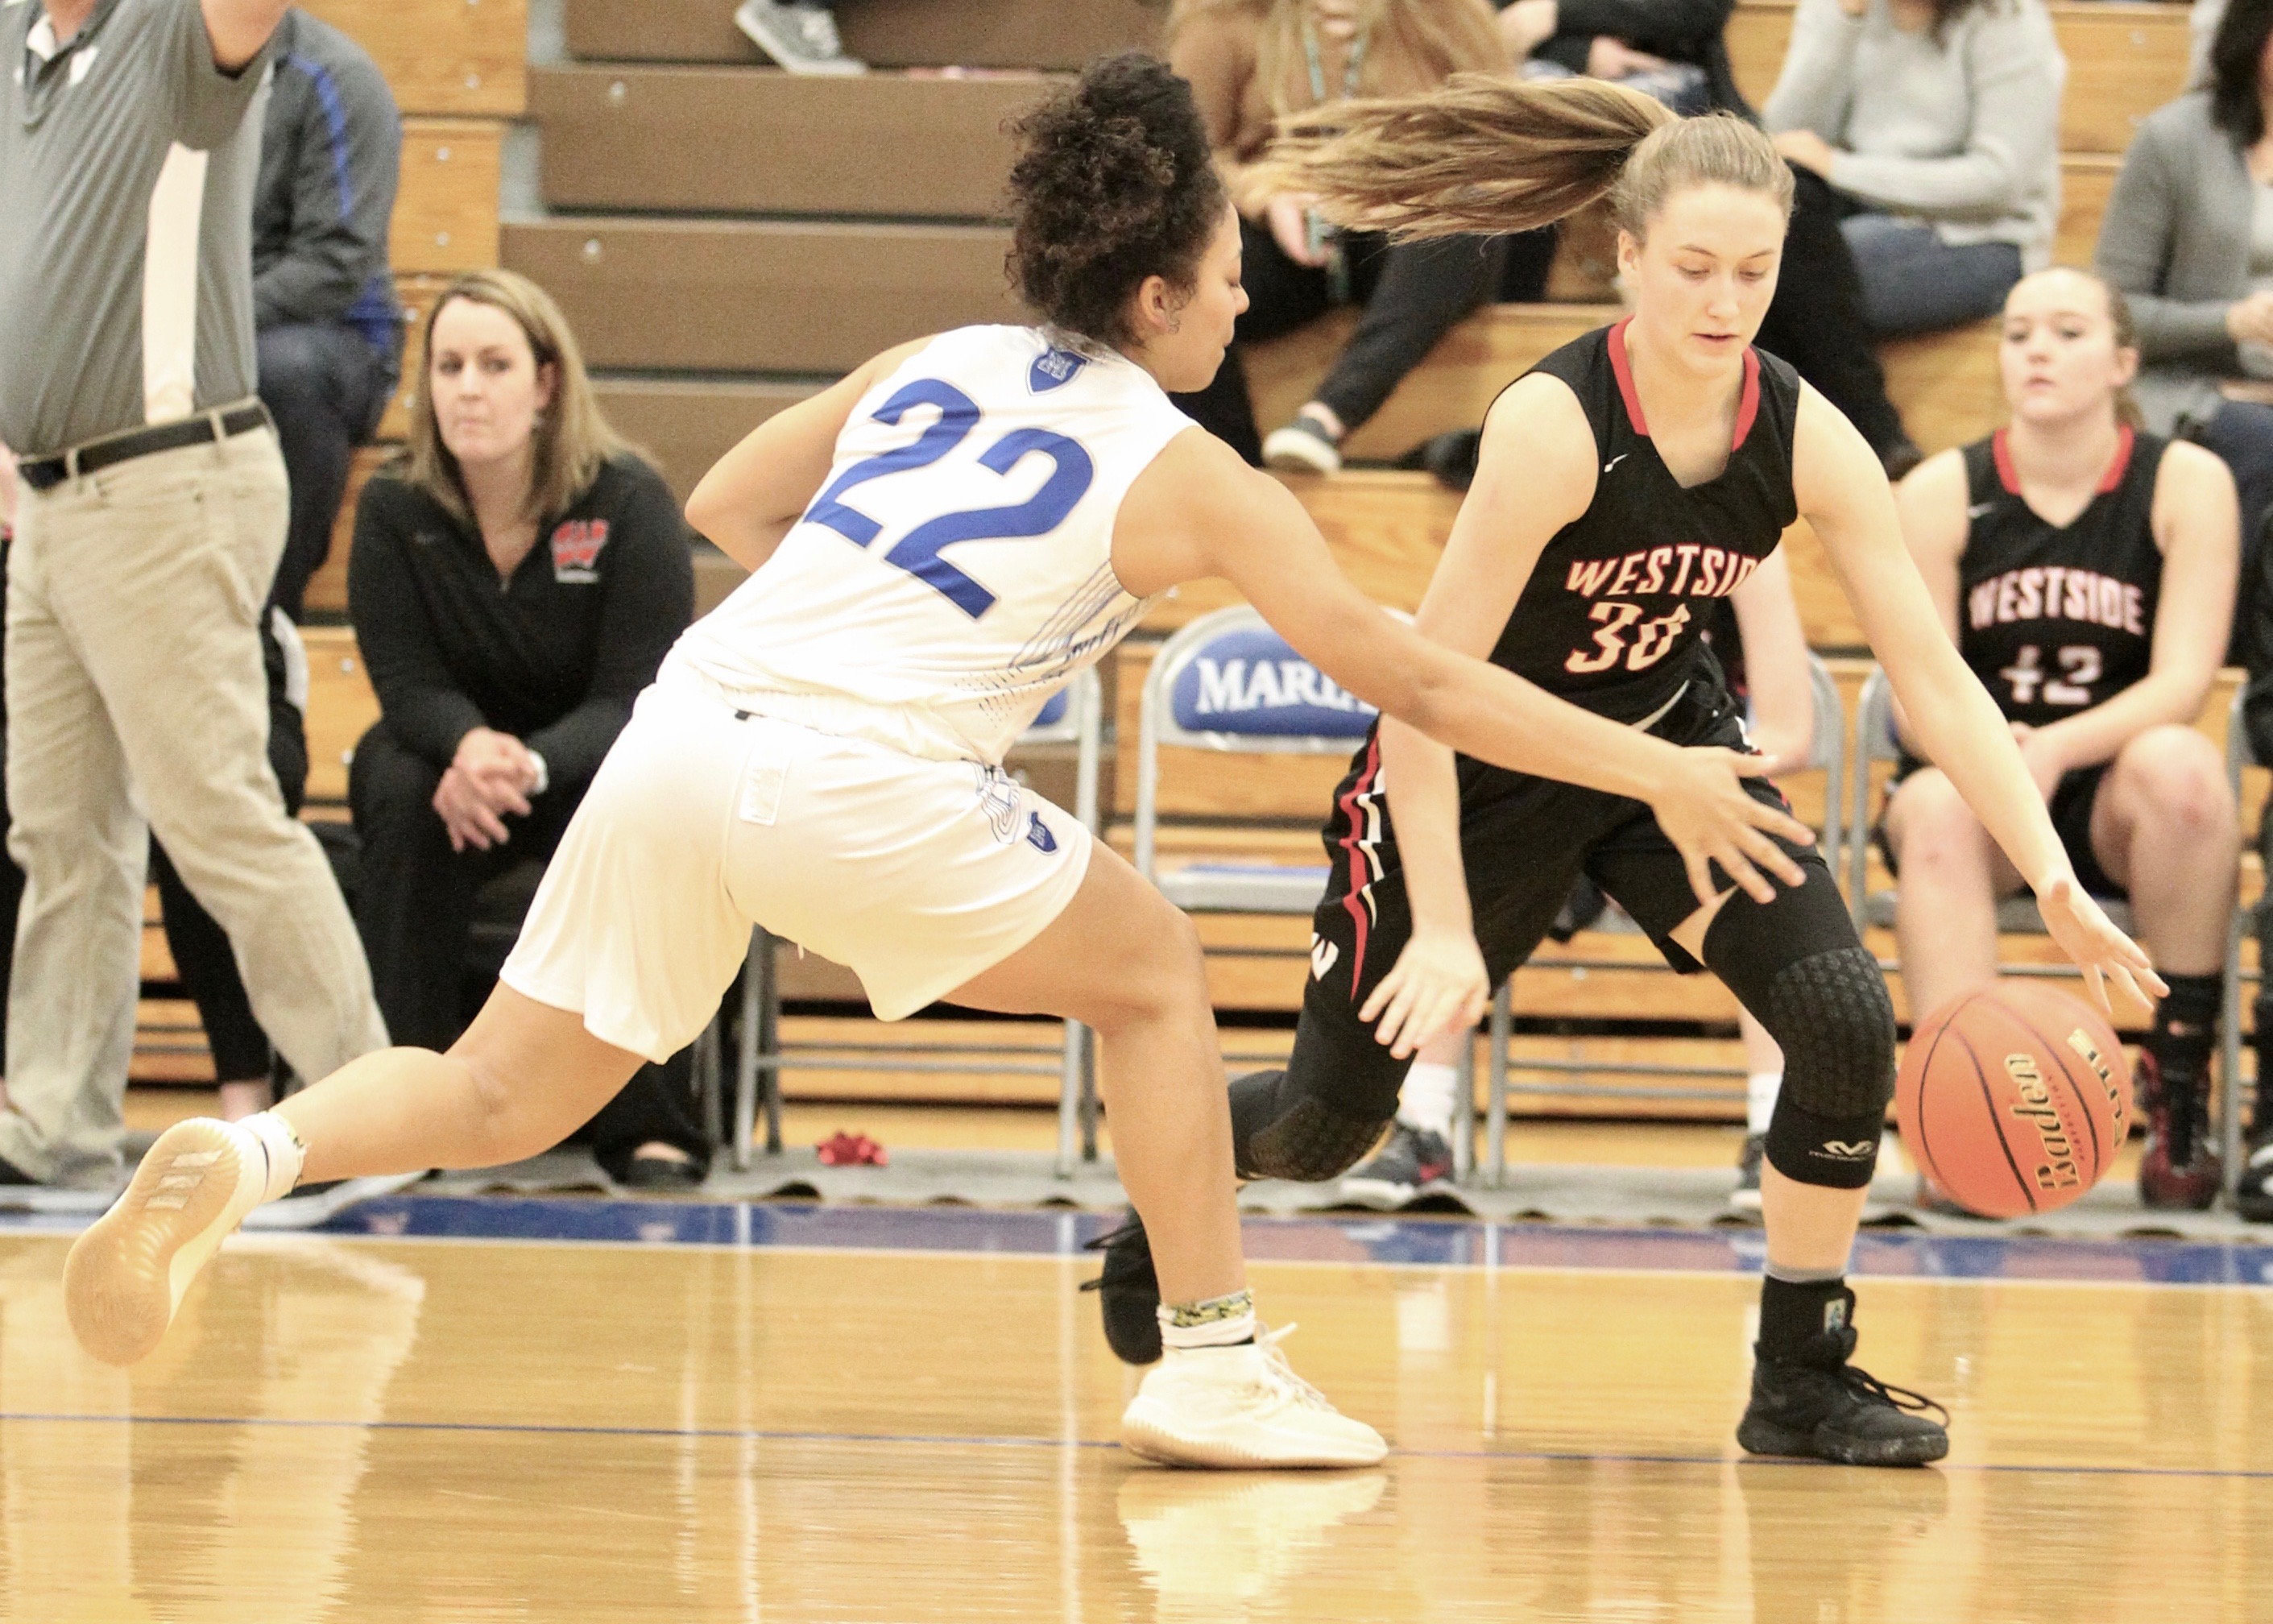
(2186, 1027)
(281, 1147)
(1805, 1322)
(1219, 1322)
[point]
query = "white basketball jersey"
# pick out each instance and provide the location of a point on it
(956, 568)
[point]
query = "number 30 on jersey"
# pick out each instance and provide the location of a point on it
(917, 551)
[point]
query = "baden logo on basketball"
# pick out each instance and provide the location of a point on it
(2035, 1105)
(2118, 1099)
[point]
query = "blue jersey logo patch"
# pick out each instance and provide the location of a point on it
(1054, 369)
(1038, 835)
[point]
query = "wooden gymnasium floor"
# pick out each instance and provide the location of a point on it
(467, 1410)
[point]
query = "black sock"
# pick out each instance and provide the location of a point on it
(1806, 1322)
(2184, 1033)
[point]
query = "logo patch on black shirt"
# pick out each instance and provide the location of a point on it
(576, 550)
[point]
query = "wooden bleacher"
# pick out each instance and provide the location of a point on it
(828, 219)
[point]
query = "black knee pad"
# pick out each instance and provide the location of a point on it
(1835, 1024)
(1280, 1130)
(1797, 965)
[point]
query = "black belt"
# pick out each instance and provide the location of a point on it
(45, 473)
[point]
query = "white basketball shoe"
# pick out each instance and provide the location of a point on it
(1241, 1407)
(127, 1273)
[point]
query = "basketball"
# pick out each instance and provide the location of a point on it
(2014, 1100)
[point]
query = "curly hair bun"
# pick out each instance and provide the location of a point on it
(1114, 183)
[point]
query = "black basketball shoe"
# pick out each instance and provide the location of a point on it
(1817, 1405)
(1130, 1292)
(1414, 1162)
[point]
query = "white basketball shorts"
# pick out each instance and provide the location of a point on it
(917, 875)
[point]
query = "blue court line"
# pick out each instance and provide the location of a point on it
(730, 1434)
(1433, 1243)
(1329, 1239)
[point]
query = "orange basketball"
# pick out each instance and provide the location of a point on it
(2015, 1100)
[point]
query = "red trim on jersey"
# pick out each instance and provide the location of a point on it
(1355, 814)
(2118, 465)
(2007, 476)
(1624, 370)
(1748, 404)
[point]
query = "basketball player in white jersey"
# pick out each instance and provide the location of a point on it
(938, 542)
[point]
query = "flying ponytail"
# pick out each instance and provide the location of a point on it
(1482, 153)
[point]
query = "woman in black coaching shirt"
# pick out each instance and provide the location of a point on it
(2086, 569)
(517, 579)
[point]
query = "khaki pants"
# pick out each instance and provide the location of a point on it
(137, 701)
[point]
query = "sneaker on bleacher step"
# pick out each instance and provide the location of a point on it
(1412, 1162)
(126, 1274)
(1240, 1408)
(2252, 1192)
(1304, 446)
(1745, 1197)
(801, 39)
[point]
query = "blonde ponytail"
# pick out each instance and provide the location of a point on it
(1484, 154)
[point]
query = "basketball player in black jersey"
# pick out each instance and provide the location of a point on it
(1625, 485)
(2087, 571)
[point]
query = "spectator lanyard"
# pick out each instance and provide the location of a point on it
(1338, 276)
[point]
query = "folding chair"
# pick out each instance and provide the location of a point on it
(1073, 716)
(1826, 754)
(1228, 684)
(1874, 742)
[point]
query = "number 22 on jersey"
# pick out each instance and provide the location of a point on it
(917, 551)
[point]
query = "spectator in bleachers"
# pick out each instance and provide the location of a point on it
(2188, 237)
(1250, 61)
(517, 577)
(800, 37)
(151, 513)
(1817, 321)
(2086, 568)
(1937, 120)
(330, 333)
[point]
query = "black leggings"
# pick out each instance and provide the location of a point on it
(1413, 294)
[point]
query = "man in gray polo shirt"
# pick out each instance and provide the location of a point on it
(150, 511)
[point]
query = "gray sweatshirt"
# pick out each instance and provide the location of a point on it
(1964, 134)
(331, 153)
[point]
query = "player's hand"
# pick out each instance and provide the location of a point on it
(1436, 986)
(1702, 806)
(2086, 934)
(2250, 321)
(462, 804)
(1288, 216)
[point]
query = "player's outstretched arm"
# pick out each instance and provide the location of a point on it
(1842, 490)
(752, 496)
(1199, 511)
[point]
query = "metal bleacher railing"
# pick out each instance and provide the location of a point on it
(1075, 717)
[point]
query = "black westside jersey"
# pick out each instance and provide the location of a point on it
(2056, 618)
(1614, 615)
